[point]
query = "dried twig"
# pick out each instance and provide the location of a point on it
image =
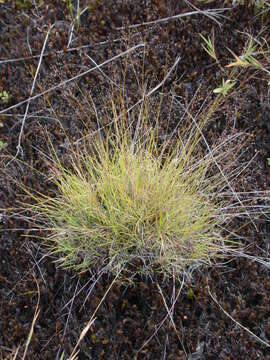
(19, 147)
(236, 322)
(212, 14)
(169, 314)
(92, 319)
(151, 92)
(65, 82)
(220, 169)
(36, 314)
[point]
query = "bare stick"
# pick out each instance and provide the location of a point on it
(19, 147)
(69, 312)
(65, 51)
(36, 314)
(137, 103)
(236, 322)
(102, 72)
(58, 52)
(65, 82)
(169, 313)
(207, 12)
(210, 13)
(92, 319)
(220, 169)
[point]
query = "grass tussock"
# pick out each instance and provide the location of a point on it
(131, 204)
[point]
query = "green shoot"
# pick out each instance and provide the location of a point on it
(260, 5)
(70, 7)
(4, 96)
(76, 19)
(225, 87)
(3, 145)
(247, 59)
(209, 48)
(190, 294)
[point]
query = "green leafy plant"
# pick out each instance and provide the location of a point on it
(23, 4)
(261, 5)
(70, 7)
(225, 87)
(3, 145)
(210, 47)
(190, 294)
(247, 59)
(4, 96)
(76, 19)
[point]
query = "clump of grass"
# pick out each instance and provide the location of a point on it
(133, 205)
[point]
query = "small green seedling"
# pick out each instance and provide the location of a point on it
(1, 123)
(268, 161)
(4, 96)
(190, 294)
(225, 87)
(210, 47)
(76, 19)
(23, 4)
(261, 5)
(3, 145)
(247, 59)
(70, 7)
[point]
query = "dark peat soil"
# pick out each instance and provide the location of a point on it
(127, 322)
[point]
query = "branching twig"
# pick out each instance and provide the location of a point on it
(19, 147)
(220, 169)
(212, 13)
(236, 322)
(65, 82)
(169, 314)
(92, 319)
(151, 92)
(36, 314)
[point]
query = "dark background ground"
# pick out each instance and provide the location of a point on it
(129, 315)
